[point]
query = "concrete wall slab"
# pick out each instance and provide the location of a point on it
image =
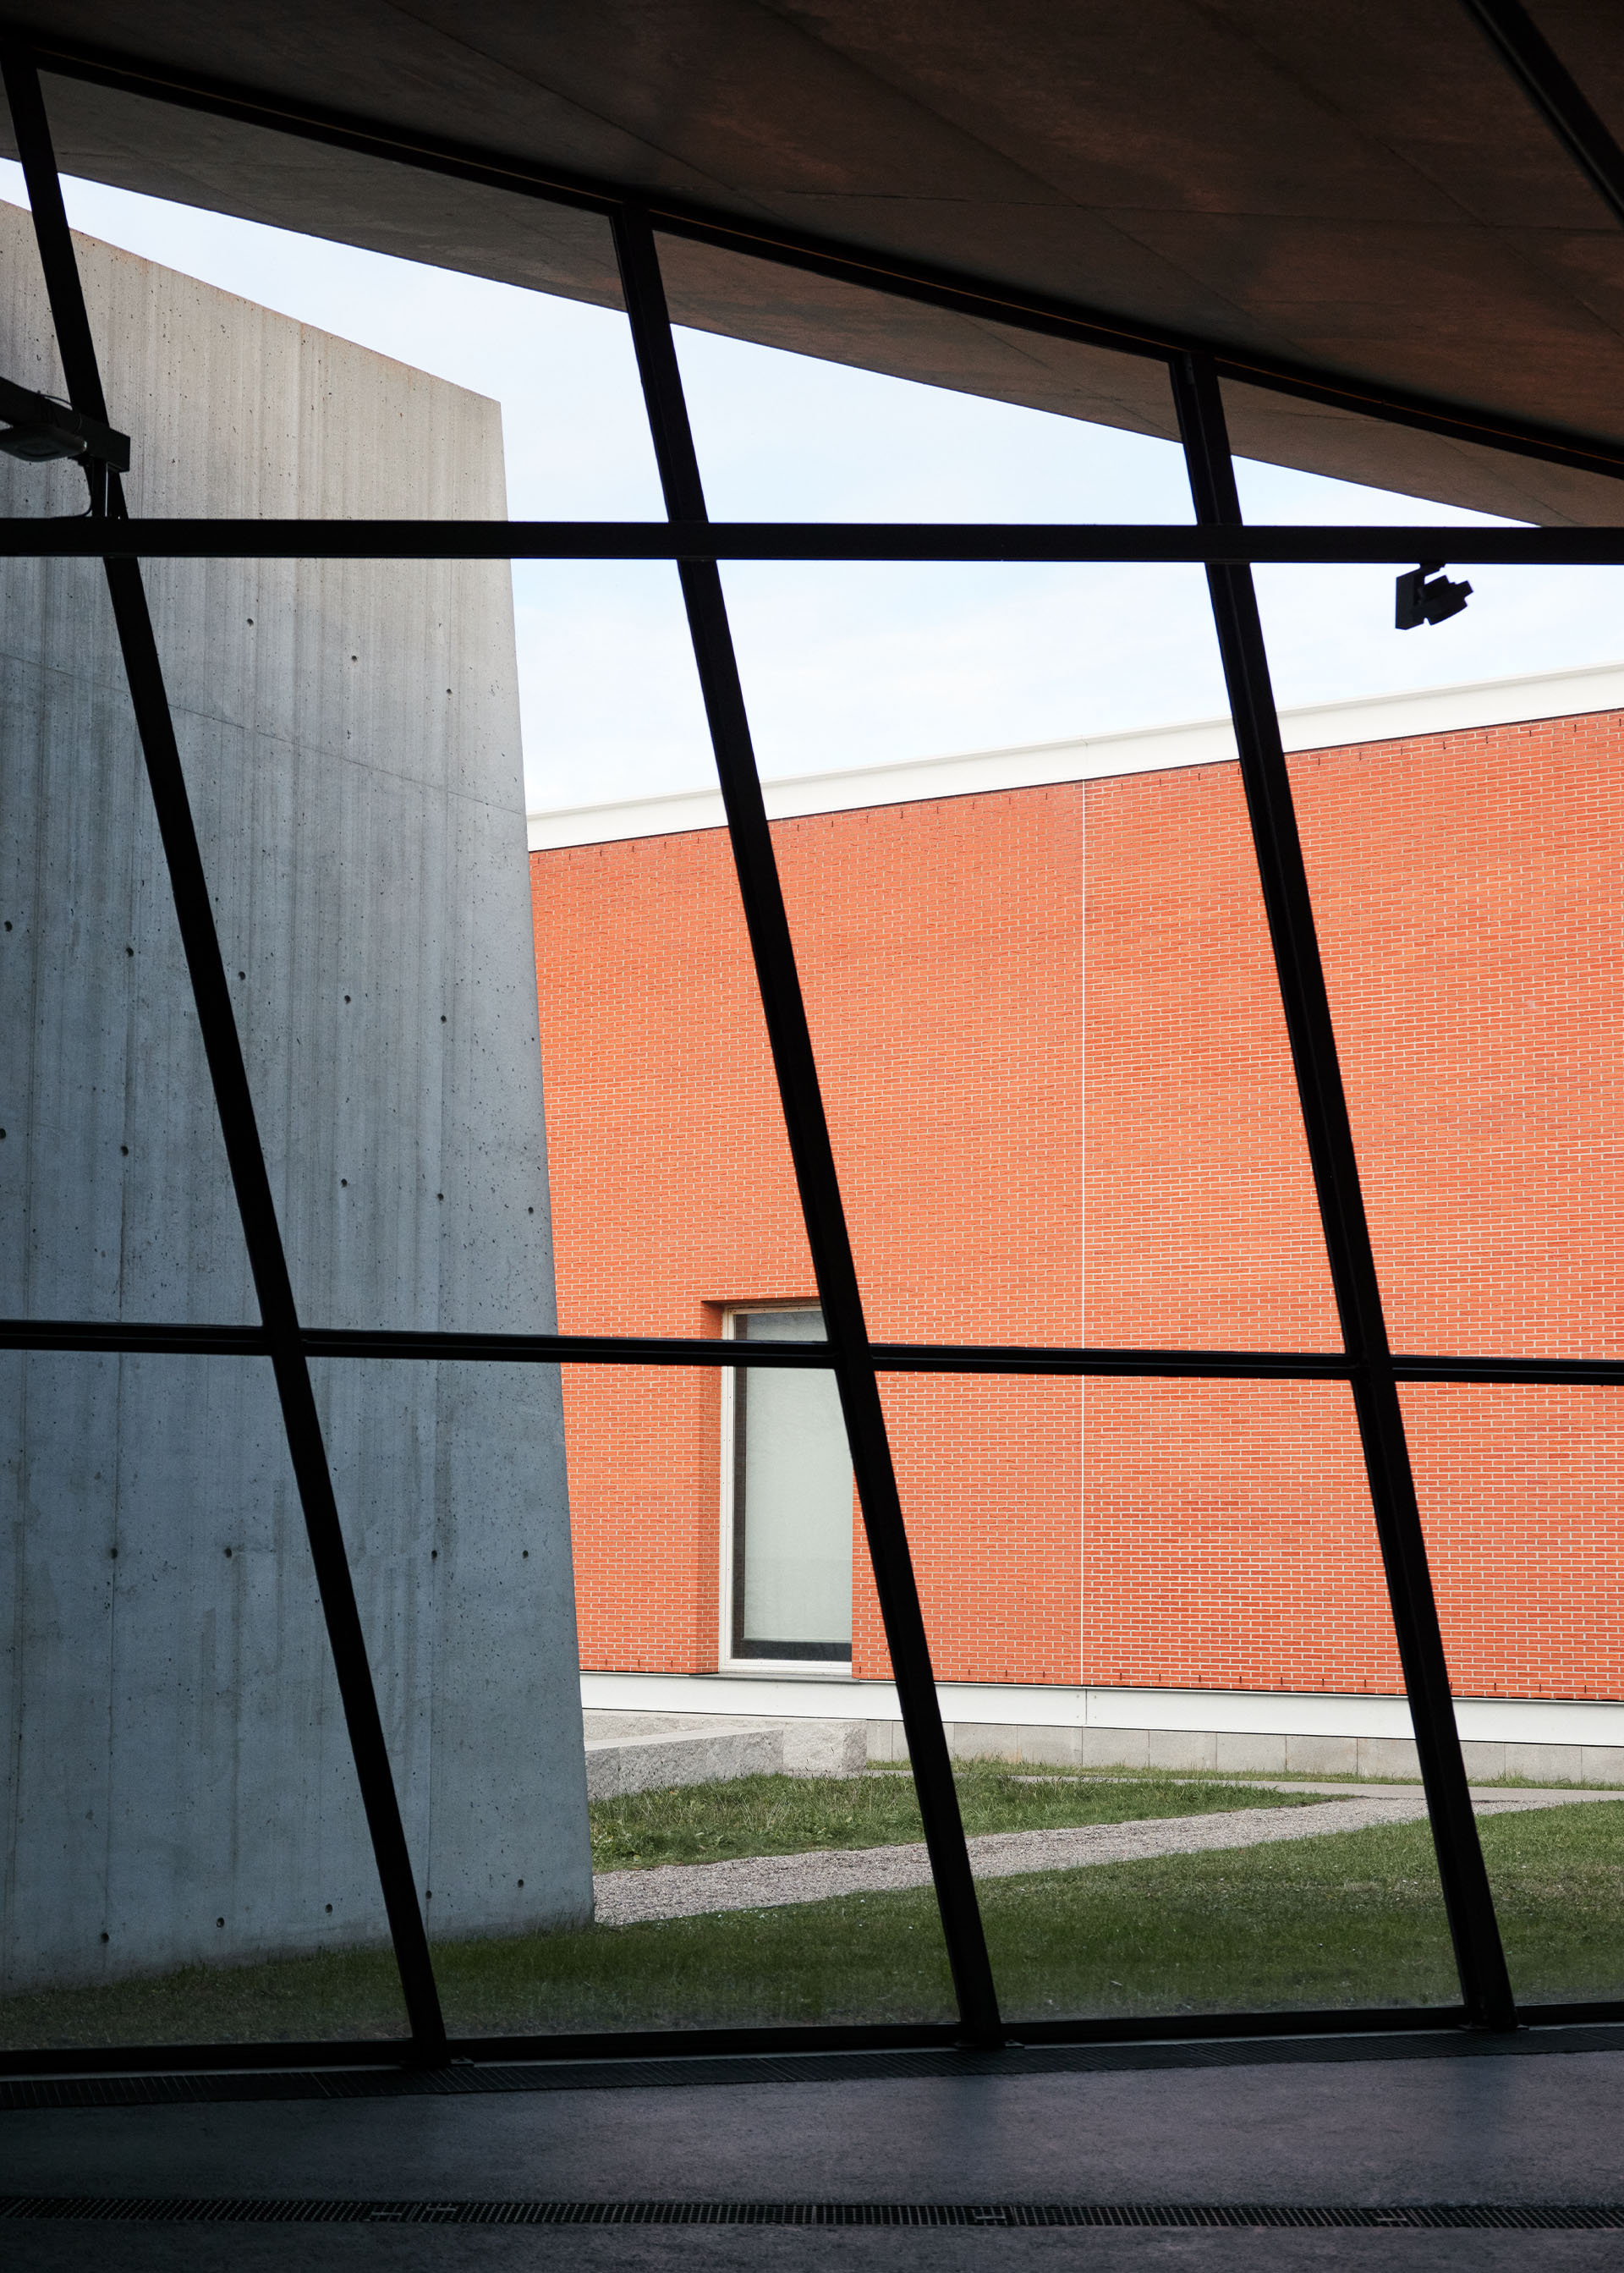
(1249, 1755)
(350, 737)
(1322, 1755)
(1182, 1748)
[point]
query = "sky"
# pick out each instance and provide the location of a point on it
(851, 664)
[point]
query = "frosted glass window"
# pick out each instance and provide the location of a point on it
(792, 1503)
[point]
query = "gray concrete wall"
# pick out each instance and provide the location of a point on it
(179, 1784)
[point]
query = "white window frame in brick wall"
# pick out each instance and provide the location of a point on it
(829, 1658)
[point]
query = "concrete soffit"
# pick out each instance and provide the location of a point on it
(1360, 191)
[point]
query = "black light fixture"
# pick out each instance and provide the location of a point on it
(1426, 595)
(37, 427)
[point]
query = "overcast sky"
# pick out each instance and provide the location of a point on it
(847, 665)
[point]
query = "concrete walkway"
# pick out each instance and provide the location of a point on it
(772, 1881)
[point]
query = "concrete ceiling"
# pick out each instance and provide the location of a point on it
(1356, 186)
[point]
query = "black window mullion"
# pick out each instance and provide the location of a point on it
(789, 1039)
(232, 1100)
(1484, 1984)
(1539, 72)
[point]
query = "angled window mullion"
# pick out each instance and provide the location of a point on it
(960, 292)
(1550, 87)
(232, 1100)
(1484, 1983)
(784, 1011)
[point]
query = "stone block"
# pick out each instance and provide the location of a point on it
(886, 1741)
(1236, 1754)
(1485, 1761)
(1181, 1748)
(616, 1766)
(1115, 1748)
(825, 1748)
(1601, 1763)
(1045, 1747)
(982, 1740)
(601, 1723)
(1555, 1763)
(1323, 1755)
(1394, 1756)
(602, 1771)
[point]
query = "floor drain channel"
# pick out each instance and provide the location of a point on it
(273, 2210)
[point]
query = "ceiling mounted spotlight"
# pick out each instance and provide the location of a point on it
(37, 427)
(1416, 600)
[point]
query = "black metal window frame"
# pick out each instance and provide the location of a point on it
(1227, 549)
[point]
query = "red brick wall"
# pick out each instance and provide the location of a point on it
(940, 948)
(992, 980)
(1471, 887)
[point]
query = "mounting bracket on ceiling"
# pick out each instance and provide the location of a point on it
(38, 427)
(1426, 595)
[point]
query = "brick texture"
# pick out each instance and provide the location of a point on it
(1062, 1108)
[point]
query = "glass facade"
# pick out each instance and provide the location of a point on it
(335, 1700)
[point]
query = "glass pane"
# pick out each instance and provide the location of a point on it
(857, 667)
(1462, 855)
(513, 301)
(818, 400)
(1170, 1676)
(452, 1485)
(749, 1868)
(646, 1471)
(351, 737)
(1202, 1225)
(990, 1473)
(792, 1504)
(47, 486)
(357, 791)
(1341, 664)
(113, 1177)
(187, 1859)
(741, 1510)
(1519, 1498)
(1376, 470)
(1530, 643)
(264, 371)
(1039, 976)
(673, 1193)
(359, 804)
(615, 742)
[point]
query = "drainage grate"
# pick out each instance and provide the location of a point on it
(185, 2209)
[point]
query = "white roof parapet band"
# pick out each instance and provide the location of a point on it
(1153, 749)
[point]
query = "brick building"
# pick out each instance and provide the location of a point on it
(1055, 1069)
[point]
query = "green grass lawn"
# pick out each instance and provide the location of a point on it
(1353, 1918)
(790, 1815)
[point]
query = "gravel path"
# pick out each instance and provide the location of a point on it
(770, 1881)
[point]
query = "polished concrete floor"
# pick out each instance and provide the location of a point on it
(1324, 2128)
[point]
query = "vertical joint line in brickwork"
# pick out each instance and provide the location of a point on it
(790, 1040)
(1475, 1932)
(229, 1076)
